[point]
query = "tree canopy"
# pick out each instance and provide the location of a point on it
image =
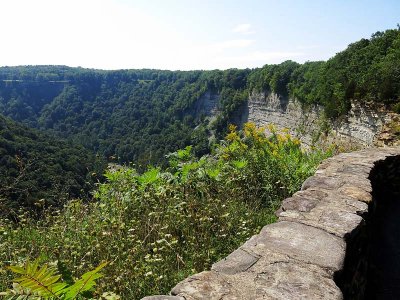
(39, 170)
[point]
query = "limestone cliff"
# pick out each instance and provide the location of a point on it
(361, 127)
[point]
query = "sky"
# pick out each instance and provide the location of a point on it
(185, 34)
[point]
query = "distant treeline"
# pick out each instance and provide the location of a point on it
(141, 115)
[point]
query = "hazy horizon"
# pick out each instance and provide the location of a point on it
(184, 35)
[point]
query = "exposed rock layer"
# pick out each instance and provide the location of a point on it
(363, 126)
(359, 127)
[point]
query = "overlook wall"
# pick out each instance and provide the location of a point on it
(319, 248)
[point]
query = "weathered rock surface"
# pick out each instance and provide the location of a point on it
(293, 281)
(206, 105)
(161, 297)
(359, 127)
(364, 125)
(299, 256)
(300, 242)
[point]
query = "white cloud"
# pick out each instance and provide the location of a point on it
(243, 29)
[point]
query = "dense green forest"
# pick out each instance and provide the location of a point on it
(367, 71)
(138, 115)
(141, 115)
(38, 170)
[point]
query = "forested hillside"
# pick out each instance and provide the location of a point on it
(38, 170)
(141, 115)
(138, 115)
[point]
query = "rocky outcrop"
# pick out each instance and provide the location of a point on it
(363, 126)
(284, 113)
(359, 126)
(206, 105)
(317, 248)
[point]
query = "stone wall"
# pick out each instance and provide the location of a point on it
(317, 249)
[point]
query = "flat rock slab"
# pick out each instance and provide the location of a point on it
(323, 182)
(275, 280)
(306, 201)
(162, 297)
(356, 193)
(336, 215)
(300, 242)
(236, 262)
(207, 285)
(338, 223)
(294, 281)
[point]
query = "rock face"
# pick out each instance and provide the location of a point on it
(264, 109)
(359, 127)
(206, 105)
(303, 255)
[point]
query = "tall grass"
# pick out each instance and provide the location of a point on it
(158, 227)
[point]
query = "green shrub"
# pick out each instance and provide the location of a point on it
(158, 227)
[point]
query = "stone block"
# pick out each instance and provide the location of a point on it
(162, 297)
(322, 182)
(356, 193)
(236, 262)
(295, 281)
(339, 223)
(207, 285)
(300, 242)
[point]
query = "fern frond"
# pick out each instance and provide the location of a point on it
(85, 283)
(41, 281)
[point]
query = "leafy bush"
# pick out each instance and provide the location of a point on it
(158, 227)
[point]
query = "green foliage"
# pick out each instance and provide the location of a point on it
(117, 113)
(43, 282)
(368, 70)
(38, 170)
(396, 108)
(158, 227)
